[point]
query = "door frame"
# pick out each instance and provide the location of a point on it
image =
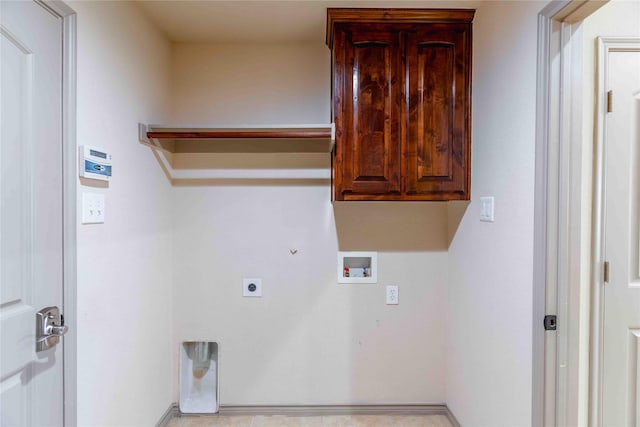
(556, 381)
(69, 204)
(605, 45)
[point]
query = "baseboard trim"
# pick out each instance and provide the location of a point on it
(320, 410)
(317, 410)
(171, 412)
(452, 418)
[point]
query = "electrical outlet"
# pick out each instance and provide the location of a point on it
(487, 208)
(392, 295)
(251, 287)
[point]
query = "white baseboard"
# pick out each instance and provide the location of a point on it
(319, 410)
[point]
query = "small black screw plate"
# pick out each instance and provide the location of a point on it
(550, 322)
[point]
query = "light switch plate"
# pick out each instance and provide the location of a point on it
(93, 207)
(487, 209)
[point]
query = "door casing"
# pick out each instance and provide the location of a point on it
(69, 156)
(556, 375)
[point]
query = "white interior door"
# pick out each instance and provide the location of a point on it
(31, 387)
(621, 340)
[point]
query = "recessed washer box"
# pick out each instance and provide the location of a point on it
(357, 267)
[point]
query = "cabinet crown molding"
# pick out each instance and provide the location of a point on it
(397, 16)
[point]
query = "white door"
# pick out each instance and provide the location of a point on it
(621, 340)
(31, 392)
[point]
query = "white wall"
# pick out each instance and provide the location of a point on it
(124, 265)
(308, 340)
(490, 264)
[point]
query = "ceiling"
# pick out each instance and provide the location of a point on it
(260, 20)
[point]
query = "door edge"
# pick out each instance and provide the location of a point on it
(69, 347)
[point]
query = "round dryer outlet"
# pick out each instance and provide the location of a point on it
(252, 287)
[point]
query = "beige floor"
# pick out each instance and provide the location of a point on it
(326, 421)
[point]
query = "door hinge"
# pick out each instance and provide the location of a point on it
(550, 322)
(606, 272)
(610, 101)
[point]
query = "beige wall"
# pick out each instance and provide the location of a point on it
(308, 340)
(172, 259)
(124, 265)
(251, 83)
(490, 264)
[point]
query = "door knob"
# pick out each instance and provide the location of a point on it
(58, 330)
(49, 328)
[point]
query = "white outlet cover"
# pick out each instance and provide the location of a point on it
(251, 287)
(487, 209)
(93, 208)
(392, 295)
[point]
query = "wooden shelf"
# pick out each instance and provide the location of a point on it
(244, 139)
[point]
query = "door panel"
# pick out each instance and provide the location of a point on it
(31, 210)
(621, 352)
(372, 100)
(437, 141)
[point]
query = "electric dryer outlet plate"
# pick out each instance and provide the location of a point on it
(251, 287)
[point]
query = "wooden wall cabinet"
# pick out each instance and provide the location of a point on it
(401, 87)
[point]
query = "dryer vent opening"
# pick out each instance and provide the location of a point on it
(199, 377)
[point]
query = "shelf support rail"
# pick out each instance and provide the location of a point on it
(162, 140)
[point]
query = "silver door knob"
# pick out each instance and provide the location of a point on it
(57, 330)
(49, 328)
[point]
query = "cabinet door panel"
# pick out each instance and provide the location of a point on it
(368, 139)
(434, 109)
(437, 148)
